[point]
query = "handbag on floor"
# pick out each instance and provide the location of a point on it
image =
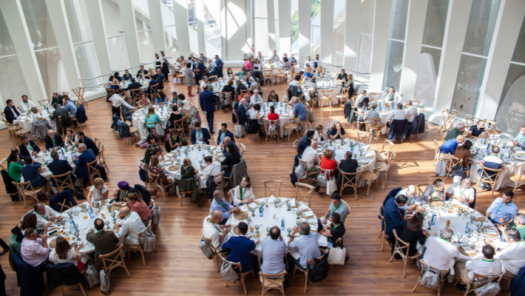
(441, 168)
(228, 273)
(104, 282)
(239, 133)
(92, 276)
(337, 256)
(331, 186)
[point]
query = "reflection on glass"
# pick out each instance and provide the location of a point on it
(261, 36)
(519, 51)
(394, 64)
(316, 40)
(468, 85)
(12, 82)
(512, 106)
(398, 19)
(51, 70)
(338, 48)
(436, 56)
(37, 20)
(78, 21)
(87, 61)
(118, 57)
(365, 55)
(146, 50)
(435, 22)
(6, 45)
(366, 16)
(481, 25)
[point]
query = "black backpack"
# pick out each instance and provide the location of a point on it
(9, 187)
(320, 270)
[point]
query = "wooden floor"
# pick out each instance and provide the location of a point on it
(180, 268)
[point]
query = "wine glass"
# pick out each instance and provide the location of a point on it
(268, 231)
(289, 231)
(479, 225)
(276, 203)
(289, 206)
(298, 215)
(460, 236)
(257, 228)
(472, 218)
(429, 225)
(470, 231)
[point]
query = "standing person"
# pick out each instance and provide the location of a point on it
(198, 68)
(207, 101)
(218, 69)
(188, 75)
(166, 69)
(117, 100)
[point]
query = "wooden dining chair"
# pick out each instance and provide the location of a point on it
(383, 227)
(219, 185)
(469, 121)
(113, 260)
(43, 102)
(364, 137)
(139, 248)
(326, 95)
(178, 126)
(101, 160)
(92, 171)
(292, 126)
(242, 274)
(485, 177)
(402, 248)
(306, 122)
(308, 173)
(25, 190)
(272, 187)
(517, 177)
(478, 281)
(152, 92)
(371, 176)
(343, 96)
(373, 126)
(437, 152)
(306, 191)
(267, 124)
(164, 188)
(242, 149)
(441, 275)
(64, 182)
(79, 92)
(307, 270)
(272, 281)
(136, 94)
(349, 180)
(268, 76)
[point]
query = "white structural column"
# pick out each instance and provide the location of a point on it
(98, 30)
(285, 23)
(506, 32)
(127, 17)
(305, 27)
(222, 19)
(327, 31)
(453, 41)
(157, 25)
(413, 40)
(180, 11)
(382, 11)
(58, 18)
(17, 27)
(201, 37)
(272, 43)
(352, 34)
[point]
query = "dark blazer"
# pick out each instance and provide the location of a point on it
(394, 217)
(105, 242)
(9, 114)
(241, 113)
(141, 73)
(412, 238)
(348, 166)
(31, 174)
(82, 161)
(225, 153)
(25, 152)
(230, 160)
(303, 144)
(240, 248)
(59, 167)
(58, 140)
(207, 101)
(205, 136)
(90, 145)
(134, 85)
(227, 134)
(152, 82)
(160, 79)
(127, 76)
(58, 100)
(61, 111)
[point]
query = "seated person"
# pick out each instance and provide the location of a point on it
(240, 248)
(90, 144)
(134, 85)
(478, 130)
(14, 167)
(66, 253)
(296, 82)
(137, 205)
(119, 197)
(395, 215)
(114, 84)
(273, 252)
(31, 174)
(273, 97)
(228, 140)
(219, 203)
(231, 159)
(413, 233)
(502, 210)
(59, 167)
(434, 192)
(311, 157)
(86, 156)
(462, 192)
(130, 227)
(53, 140)
(413, 200)
(372, 113)
(348, 165)
(104, 241)
(151, 118)
(517, 223)
(520, 138)
(411, 111)
(336, 206)
(397, 114)
(28, 221)
(223, 133)
(441, 252)
(127, 112)
(329, 163)
(455, 132)
(451, 145)
(28, 147)
(256, 98)
(487, 266)
(175, 140)
(44, 215)
(155, 169)
(152, 146)
(127, 75)
(34, 249)
(70, 138)
(306, 244)
(214, 231)
(211, 169)
(200, 135)
(320, 135)
(299, 110)
(305, 142)
(176, 115)
(161, 98)
(337, 131)
(26, 104)
(144, 102)
(463, 153)
(98, 192)
(335, 230)
(492, 162)
(56, 99)
(243, 193)
(513, 255)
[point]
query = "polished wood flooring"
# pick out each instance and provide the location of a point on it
(179, 268)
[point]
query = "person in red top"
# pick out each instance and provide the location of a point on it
(272, 115)
(328, 163)
(139, 206)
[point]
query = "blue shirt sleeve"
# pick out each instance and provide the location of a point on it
(497, 202)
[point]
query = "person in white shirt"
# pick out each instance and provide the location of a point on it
(243, 193)
(211, 66)
(26, 104)
(513, 255)
(440, 252)
(130, 227)
(413, 199)
(45, 214)
(462, 192)
(213, 232)
(99, 191)
(397, 114)
(393, 97)
(320, 135)
(253, 84)
(361, 97)
(487, 266)
(117, 100)
(411, 111)
(260, 57)
(311, 156)
(211, 169)
(275, 57)
(256, 98)
(64, 252)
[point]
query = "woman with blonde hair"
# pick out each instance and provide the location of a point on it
(151, 118)
(99, 191)
(155, 169)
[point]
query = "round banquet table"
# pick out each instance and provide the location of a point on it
(219, 85)
(469, 245)
(385, 112)
(44, 157)
(145, 83)
(138, 119)
(365, 155)
(283, 109)
(84, 222)
(320, 86)
(172, 162)
(25, 120)
(275, 210)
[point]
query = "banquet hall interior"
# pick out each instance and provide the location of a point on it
(379, 143)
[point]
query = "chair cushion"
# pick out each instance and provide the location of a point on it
(290, 125)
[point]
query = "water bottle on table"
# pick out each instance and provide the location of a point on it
(283, 224)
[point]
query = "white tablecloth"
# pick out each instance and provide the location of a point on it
(26, 121)
(285, 114)
(196, 154)
(320, 86)
(125, 83)
(84, 223)
(44, 157)
(258, 226)
(138, 119)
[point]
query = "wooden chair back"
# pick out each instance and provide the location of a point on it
(305, 190)
(295, 143)
(63, 181)
(272, 281)
(388, 146)
(401, 247)
(2, 163)
(92, 170)
(219, 185)
(491, 124)
(267, 124)
(43, 102)
(415, 102)
(272, 187)
(479, 280)
(242, 149)
(25, 189)
(234, 112)
(469, 121)
(364, 137)
(422, 110)
(113, 260)
(485, 178)
(79, 92)
(178, 125)
(98, 142)
(136, 94)
(421, 189)
(347, 182)
(327, 93)
(111, 92)
(441, 274)
(101, 160)
(371, 124)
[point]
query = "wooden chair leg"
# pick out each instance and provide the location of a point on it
(383, 241)
(82, 288)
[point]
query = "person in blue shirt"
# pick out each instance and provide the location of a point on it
(70, 106)
(161, 98)
(308, 73)
(306, 244)
(207, 102)
(305, 142)
(223, 133)
(59, 167)
(86, 156)
(502, 210)
(520, 138)
(451, 145)
(30, 173)
(127, 76)
(134, 84)
(117, 76)
(273, 252)
(200, 135)
(494, 162)
(299, 110)
(219, 203)
(240, 248)
(219, 64)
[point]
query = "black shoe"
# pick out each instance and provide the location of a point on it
(212, 132)
(461, 287)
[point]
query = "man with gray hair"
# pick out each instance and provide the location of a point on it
(213, 231)
(44, 215)
(411, 111)
(455, 132)
(513, 255)
(518, 224)
(306, 245)
(242, 111)
(413, 198)
(220, 204)
(348, 165)
(440, 251)
(311, 157)
(86, 156)
(372, 113)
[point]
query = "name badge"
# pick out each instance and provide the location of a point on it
(492, 216)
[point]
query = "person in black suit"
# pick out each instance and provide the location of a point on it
(11, 112)
(153, 81)
(134, 85)
(141, 72)
(348, 165)
(59, 167)
(413, 232)
(28, 147)
(59, 111)
(53, 140)
(160, 79)
(231, 159)
(81, 138)
(56, 99)
(166, 69)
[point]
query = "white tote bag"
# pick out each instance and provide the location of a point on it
(337, 256)
(92, 276)
(104, 282)
(331, 186)
(239, 133)
(300, 171)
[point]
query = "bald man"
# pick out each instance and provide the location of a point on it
(130, 228)
(213, 232)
